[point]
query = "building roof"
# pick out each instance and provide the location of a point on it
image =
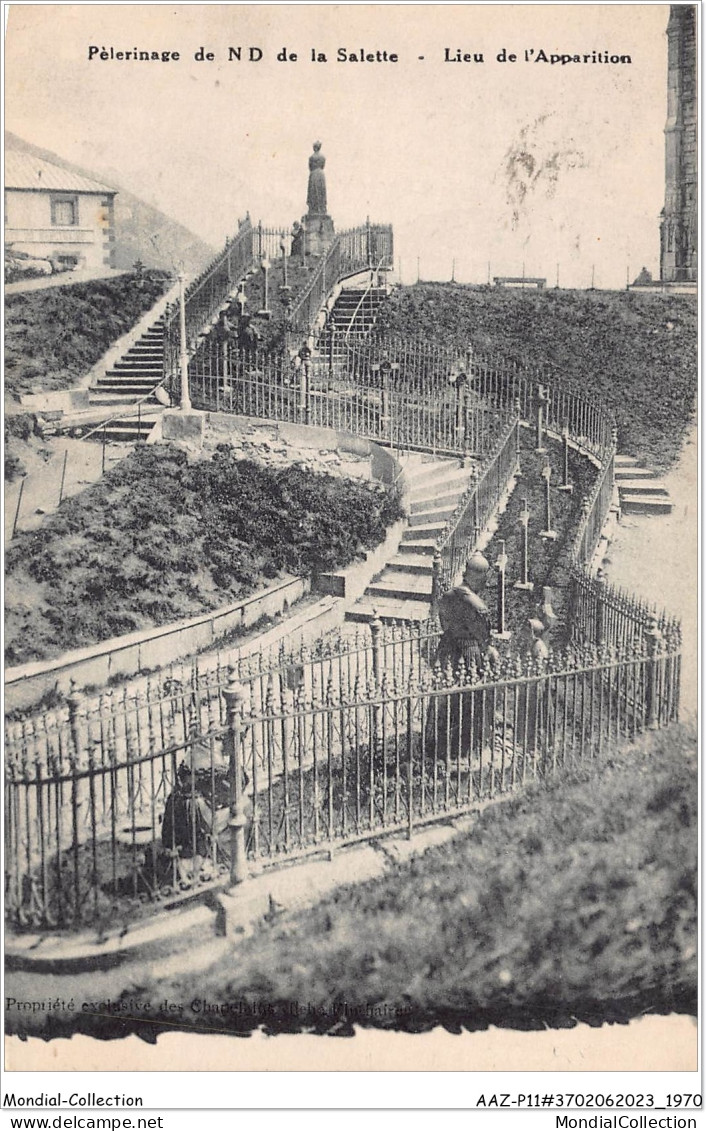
(23, 171)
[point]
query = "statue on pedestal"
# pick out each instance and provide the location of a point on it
(317, 224)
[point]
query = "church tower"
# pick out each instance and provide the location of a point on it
(679, 226)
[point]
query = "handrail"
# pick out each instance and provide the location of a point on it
(120, 415)
(461, 532)
(206, 294)
(352, 250)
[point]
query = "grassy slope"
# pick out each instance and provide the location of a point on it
(158, 539)
(575, 900)
(635, 352)
(54, 336)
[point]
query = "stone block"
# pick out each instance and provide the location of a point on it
(187, 427)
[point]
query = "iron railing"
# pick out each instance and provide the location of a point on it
(204, 298)
(133, 799)
(352, 251)
(270, 241)
(462, 531)
(388, 409)
(114, 812)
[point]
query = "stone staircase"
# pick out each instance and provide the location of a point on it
(131, 379)
(639, 489)
(403, 590)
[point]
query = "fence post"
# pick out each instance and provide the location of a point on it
(435, 580)
(17, 508)
(654, 641)
(234, 697)
(375, 629)
(501, 632)
(63, 476)
(518, 438)
(185, 402)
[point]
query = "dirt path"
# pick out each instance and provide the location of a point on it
(657, 557)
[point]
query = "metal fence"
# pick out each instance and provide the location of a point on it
(120, 807)
(475, 509)
(134, 799)
(270, 242)
(395, 409)
(610, 617)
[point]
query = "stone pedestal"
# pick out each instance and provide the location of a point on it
(318, 234)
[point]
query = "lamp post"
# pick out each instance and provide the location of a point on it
(185, 400)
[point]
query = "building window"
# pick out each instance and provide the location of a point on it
(64, 211)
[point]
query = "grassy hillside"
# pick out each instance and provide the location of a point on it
(634, 352)
(54, 336)
(158, 539)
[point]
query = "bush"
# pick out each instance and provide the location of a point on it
(158, 539)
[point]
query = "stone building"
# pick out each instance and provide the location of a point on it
(679, 226)
(56, 215)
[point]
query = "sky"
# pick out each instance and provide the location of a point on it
(492, 167)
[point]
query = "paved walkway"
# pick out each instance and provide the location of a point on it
(657, 557)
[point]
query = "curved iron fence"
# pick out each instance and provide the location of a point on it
(130, 801)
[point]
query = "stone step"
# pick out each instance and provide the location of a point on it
(133, 391)
(426, 546)
(429, 469)
(622, 473)
(147, 381)
(136, 366)
(401, 585)
(412, 563)
(438, 502)
(626, 461)
(456, 481)
(118, 399)
(646, 504)
(388, 609)
(641, 487)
